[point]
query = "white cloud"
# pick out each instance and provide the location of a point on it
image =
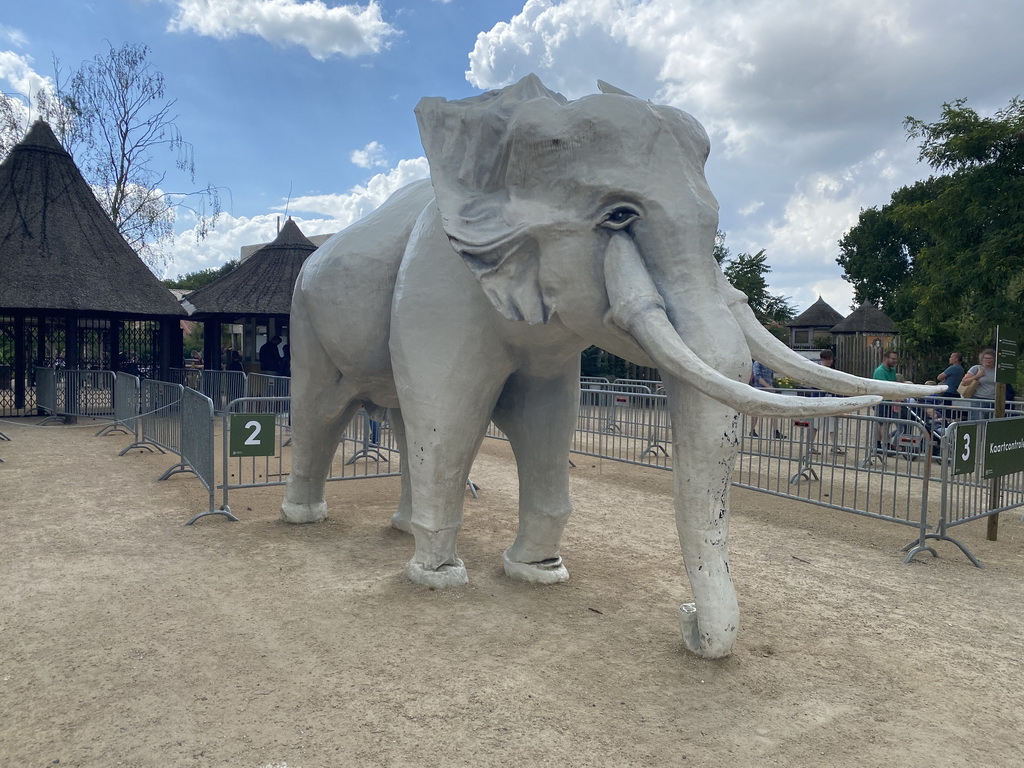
(804, 102)
(370, 156)
(13, 36)
(21, 79)
(348, 30)
(327, 214)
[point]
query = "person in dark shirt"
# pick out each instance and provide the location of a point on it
(270, 357)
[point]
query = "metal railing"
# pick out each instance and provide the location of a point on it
(267, 385)
(367, 449)
(160, 422)
(220, 386)
(197, 446)
(126, 406)
(46, 390)
(67, 393)
(879, 463)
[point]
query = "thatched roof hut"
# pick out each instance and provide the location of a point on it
(867, 319)
(72, 290)
(813, 324)
(861, 339)
(256, 295)
(58, 248)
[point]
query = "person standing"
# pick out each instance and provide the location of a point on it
(953, 375)
(830, 423)
(270, 357)
(886, 371)
(762, 377)
(985, 374)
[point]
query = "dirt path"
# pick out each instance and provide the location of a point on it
(127, 639)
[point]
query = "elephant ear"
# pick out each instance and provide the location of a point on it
(467, 147)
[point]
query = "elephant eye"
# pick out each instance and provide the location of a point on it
(620, 217)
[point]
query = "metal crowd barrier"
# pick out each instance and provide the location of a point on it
(879, 463)
(970, 496)
(625, 423)
(368, 448)
(126, 406)
(220, 386)
(187, 377)
(197, 446)
(796, 458)
(46, 390)
(70, 393)
(266, 385)
(160, 421)
(891, 463)
(652, 385)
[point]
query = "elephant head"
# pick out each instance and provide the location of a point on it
(596, 214)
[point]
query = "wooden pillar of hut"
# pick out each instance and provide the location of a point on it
(211, 345)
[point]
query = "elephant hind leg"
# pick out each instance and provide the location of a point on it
(539, 417)
(322, 404)
(402, 518)
(316, 430)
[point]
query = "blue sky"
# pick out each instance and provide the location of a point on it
(308, 106)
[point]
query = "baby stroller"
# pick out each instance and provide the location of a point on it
(930, 413)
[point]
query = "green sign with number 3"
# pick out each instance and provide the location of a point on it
(252, 434)
(966, 449)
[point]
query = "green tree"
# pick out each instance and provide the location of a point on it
(192, 281)
(945, 257)
(748, 273)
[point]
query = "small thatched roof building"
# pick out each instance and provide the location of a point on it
(813, 325)
(256, 296)
(72, 288)
(861, 339)
(867, 319)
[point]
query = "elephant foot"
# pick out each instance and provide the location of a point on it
(447, 575)
(401, 522)
(699, 643)
(545, 572)
(303, 513)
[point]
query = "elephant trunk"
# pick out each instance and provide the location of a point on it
(703, 405)
(704, 447)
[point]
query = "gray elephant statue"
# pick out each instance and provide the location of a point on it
(547, 226)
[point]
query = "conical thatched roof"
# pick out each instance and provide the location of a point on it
(58, 249)
(260, 285)
(819, 315)
(866, 319)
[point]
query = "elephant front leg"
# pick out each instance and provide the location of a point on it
(704, 448)
(539, 417)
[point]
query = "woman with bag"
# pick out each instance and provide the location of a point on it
(979, 383)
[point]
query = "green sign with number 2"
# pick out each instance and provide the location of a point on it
(252, 434)
(965, 452)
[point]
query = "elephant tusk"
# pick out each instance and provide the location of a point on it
(638, 308)
(769, 350)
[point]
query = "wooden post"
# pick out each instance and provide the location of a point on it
(992, 532)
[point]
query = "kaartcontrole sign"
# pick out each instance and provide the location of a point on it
(1004, 447)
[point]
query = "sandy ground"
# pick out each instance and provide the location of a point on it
(127, 639)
